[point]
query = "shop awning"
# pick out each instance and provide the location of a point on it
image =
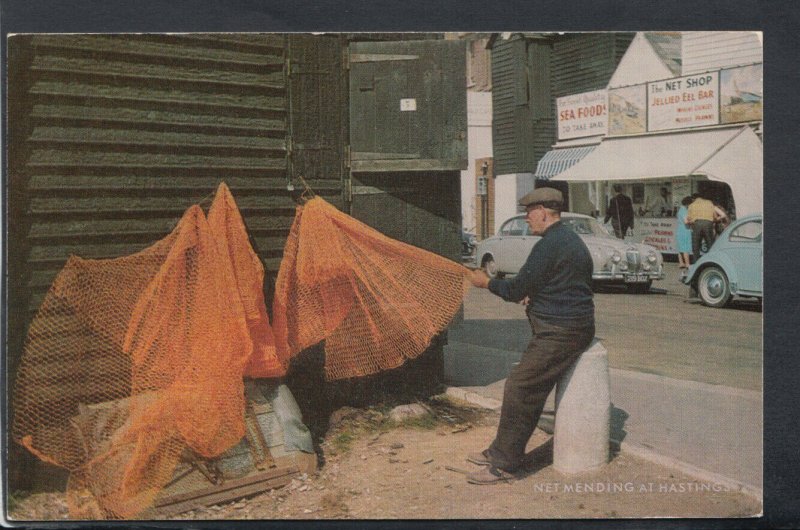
(558, 160)
(730, 155)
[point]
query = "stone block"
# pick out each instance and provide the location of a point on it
(583, 414)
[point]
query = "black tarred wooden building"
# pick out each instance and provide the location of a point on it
(112, 137)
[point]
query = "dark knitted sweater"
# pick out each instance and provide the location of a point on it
(556, 277)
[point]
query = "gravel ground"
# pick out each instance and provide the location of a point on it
(375, 468)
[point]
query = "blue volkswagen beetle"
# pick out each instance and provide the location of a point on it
(733, 265)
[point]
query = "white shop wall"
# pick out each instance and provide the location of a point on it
(508, 189)
(479, 145)
(702, 51)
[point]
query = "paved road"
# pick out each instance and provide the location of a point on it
(658, 333)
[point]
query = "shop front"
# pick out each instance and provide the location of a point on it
(659, 142)
(658, 171)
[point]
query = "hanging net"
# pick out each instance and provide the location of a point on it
(375, 301)
(230, 234)
(133, 363)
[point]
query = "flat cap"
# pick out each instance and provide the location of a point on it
(547, 197)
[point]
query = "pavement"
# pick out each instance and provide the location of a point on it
(712, 432)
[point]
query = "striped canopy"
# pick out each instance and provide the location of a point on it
(558, 160)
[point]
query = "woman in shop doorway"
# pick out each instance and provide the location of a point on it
(683, 236)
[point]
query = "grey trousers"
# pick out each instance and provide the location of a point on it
(550, 353)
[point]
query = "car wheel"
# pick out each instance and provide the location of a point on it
(713, 287)
(640, 288)
(490, 266)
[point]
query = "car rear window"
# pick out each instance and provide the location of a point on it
(749, 231)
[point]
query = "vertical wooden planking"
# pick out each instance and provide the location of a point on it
(504, 67)
(479, 204)
(586, 61)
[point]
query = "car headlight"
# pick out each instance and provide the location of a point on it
(473, 240)
(616, 257)
(646, 267)
(652, 258)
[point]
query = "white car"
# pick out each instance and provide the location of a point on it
(615, 260)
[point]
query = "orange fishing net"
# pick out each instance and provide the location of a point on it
(131, 363)
(375, 301)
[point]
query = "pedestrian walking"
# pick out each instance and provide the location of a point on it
(620, 211)
(683, 236)
(556, 283)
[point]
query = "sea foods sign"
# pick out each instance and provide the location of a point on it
(689, 101)
(582, 114)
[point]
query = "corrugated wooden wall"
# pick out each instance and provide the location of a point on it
(125, 132)
(113, 137)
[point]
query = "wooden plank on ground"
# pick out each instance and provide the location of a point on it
(227, 491)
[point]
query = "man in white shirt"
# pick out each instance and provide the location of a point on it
(659, 206)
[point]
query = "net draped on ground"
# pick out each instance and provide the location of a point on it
(133, 363)
(375, 301)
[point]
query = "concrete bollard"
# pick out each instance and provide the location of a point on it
(583, 414)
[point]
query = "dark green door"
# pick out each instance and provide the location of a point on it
(408, 106)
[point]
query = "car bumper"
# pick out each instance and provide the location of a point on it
(628, 276)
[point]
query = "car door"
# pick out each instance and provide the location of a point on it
(526, 245)
(746, 250)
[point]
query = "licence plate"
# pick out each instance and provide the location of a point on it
(631, 278)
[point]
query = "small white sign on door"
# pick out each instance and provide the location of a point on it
(408, 104)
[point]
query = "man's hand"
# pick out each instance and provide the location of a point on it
(479, 279)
